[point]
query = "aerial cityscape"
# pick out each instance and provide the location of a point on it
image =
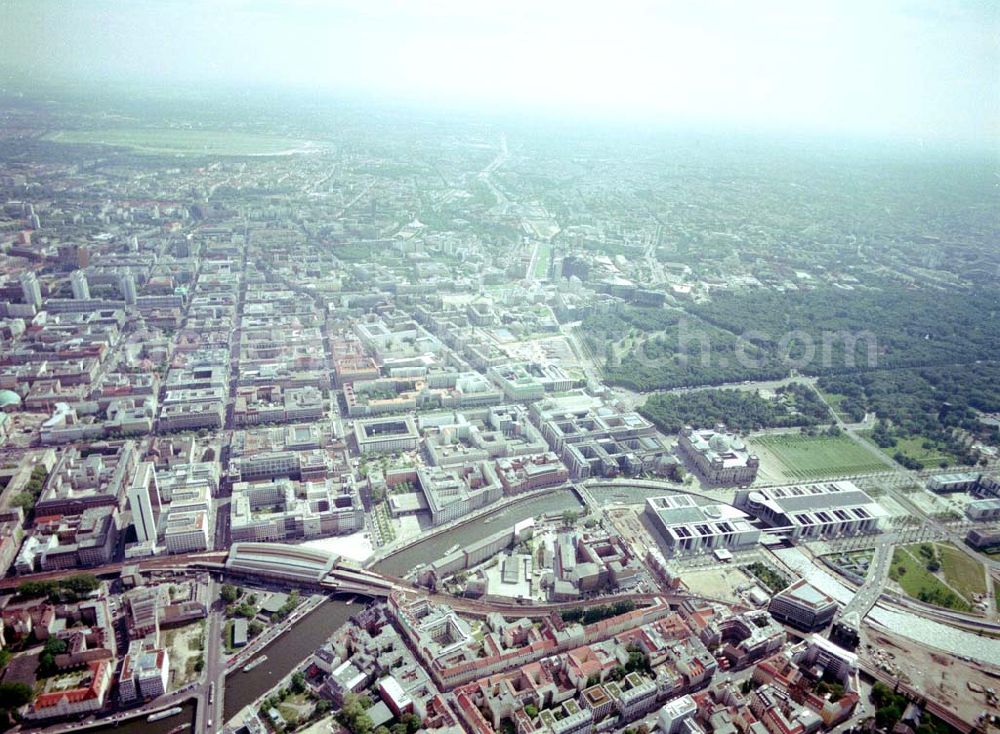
(344, 415)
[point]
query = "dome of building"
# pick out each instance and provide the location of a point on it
(9, 398)
(719, 443)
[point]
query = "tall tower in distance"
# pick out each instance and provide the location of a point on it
(30, 290)
(142, 493)
(126, 285)
(81, 291)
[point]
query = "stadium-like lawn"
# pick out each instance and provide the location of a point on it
(818, 457)
(182, 141)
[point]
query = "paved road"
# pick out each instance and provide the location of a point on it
(878, 573)
(208, 718)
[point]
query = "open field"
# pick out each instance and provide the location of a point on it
(909, 570)
(722, 583)
(184, 142)
(912, 446)
(542, 263)
(961, 572)
(803, 458)
(186, 646)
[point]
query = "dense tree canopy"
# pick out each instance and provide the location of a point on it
(741, 410)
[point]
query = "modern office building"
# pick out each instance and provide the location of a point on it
(674, 713)
(596, 439)
(81, 289)
(822, 509)
(689, 529)
(386, 435)
(31, 292)
(144, 501)
(803, 606)
(954, 482)
(286, 510)
(983, 510)
(126, 284)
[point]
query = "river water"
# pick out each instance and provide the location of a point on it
(433, 548)
(295, 645)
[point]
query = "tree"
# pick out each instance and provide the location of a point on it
(353, 716)
(228, 593)
(81, 583)
(298, 684)
(32, 589)
(15, 695)
(531, 710)
(47, 659)
(24, 500)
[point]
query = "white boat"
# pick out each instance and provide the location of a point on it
(164, 714)
(254, 663)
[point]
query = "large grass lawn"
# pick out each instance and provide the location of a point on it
(182, 141)
(964, 574)
(909, 571)
(818, 457)
(913, 446)
(542, 263)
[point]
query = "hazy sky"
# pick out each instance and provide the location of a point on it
(917, 68)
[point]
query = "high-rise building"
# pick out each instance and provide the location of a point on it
(127, 286)
(142, 494)
(30, 289)
(81, 290)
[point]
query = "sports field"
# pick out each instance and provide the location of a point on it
(794, 457)
(172, 141)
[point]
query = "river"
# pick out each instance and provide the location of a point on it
(141, 726)
(433, 548)
(286, 652)
(295, 645)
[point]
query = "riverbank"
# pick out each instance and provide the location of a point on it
(386, 552)
(271, 634)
